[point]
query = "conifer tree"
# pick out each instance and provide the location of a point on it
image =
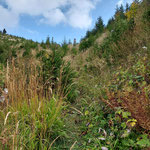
(4, 31)
(48, 41)
(127, 7)
(74, 42)
(99, 26)
(70, 41)
(88, 33)
(121, 12)
(52, 40)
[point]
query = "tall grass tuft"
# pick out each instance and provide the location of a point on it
(29, 119)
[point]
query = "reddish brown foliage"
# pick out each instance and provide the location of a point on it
(135, 102)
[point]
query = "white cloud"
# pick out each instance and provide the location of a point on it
(120, 2)
(76, 14)
(53, 17)
(79, 13)
(34, 7)
(8, 18)
(123, 2)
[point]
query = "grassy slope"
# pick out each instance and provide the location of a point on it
(88, 119)
(95, 75)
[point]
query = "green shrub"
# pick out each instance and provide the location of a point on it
(64, 49)
(74, 51)
(107, 49)
(146, 15)
(86, 43)
(102, 127)
(58, 75)
(43, 45)
(27, 52)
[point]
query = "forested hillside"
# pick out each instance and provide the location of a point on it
(88, 96)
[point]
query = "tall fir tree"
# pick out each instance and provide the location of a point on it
(127, 7)
(121, 12)
(99, 26)
(48, 41)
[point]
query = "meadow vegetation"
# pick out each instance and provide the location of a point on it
(88, 96)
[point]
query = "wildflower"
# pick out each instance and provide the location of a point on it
(96, 86)
(144, 47)
(132, 122)
(101, 138)
(104, 148)
(128, 130)
(6, 91)
(2, 97)
(89, 141)
(111, 134)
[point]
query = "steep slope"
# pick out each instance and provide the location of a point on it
(115, 70)
(94, 95)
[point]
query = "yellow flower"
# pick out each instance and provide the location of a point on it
(132, 122)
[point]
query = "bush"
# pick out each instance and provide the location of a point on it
(74, 51)
(27, 52)
(130, 89)
(110, 48)
(86, 43)
(57, 75)
(43, 45)
(146, 15)
(64, 49)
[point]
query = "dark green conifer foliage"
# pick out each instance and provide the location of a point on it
(64, 47)
(127, 7)
(69, 42)
(110, 23)
(58, 75)
(52, 40)
(4, 31)
(48, 41)
(74, 42)
(99, 26)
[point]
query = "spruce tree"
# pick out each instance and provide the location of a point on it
(74, 42)
(48, 41)
(121, 12)
(52, 40)
(69, 41)
(99, 25)
(88, 33)
(4, 31)
(127, 7)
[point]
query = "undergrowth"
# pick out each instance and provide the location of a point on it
(98, 100)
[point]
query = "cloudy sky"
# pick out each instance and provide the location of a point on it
(37, 19)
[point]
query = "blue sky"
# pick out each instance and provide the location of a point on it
(69, 19)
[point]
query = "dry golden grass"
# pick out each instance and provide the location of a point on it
(23, 80)
(26, 100)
